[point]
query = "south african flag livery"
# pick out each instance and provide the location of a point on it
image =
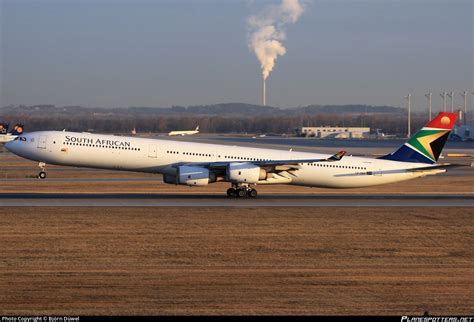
(426, 145)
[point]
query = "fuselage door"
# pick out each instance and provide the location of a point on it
(42, 142)
(152, 151)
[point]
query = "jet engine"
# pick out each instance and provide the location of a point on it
(191, 176)
(245, 173)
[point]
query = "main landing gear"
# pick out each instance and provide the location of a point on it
(42, 174)
(241, 191)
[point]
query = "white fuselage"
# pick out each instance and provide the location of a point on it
(182, 133)
(162, 156)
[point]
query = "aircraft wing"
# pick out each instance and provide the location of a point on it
(281, 163)
(336, 157)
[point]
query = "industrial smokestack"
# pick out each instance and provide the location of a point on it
(267, 32)
(264, 93)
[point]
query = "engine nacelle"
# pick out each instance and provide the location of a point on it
(245, 173)
(167, 178)
(194, 176)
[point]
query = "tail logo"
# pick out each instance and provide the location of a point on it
(426, 145)
(429, 142)
(445, 120)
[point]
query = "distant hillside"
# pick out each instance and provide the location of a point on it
(242, 109)
(313, 109)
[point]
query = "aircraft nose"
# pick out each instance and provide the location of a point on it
(16, 145)
(11, 146)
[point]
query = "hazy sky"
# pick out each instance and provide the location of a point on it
(184, 52)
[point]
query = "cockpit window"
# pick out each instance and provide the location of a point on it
(22, 138)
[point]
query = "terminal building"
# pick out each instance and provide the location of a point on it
(463, 132)
(327, 132)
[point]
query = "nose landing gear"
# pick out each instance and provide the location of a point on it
(241, 191)
(42, 174)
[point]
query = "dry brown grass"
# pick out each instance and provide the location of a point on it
(238, 261)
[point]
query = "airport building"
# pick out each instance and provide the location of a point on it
(328, 132)
(463, 132)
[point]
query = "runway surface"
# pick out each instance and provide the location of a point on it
(219, 200)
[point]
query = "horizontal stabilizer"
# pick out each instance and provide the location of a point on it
(444, 166)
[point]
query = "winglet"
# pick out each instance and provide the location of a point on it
(338, 156)
(443, 166)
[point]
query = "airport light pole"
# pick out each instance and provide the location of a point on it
(451, 96)
(428, 96)
(472, 100)
(443, 95)
(408, 97)
(464, 95)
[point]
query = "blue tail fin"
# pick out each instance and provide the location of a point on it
(17, 129)
(426, 145)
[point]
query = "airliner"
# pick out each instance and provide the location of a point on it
(199, 164)
(183, 133)
(6, 136)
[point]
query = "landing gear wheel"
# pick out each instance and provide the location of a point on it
(241, 193)
(252, 193)
(231, 192)
(42, 173)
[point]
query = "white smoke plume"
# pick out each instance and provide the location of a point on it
(267, 32)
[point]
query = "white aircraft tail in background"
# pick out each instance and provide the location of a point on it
(183, 133)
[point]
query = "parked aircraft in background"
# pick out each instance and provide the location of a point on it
(199, 164)
(183, 133)
(6, 136)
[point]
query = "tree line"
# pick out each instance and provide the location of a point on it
(278, 124)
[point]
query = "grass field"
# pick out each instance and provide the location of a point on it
(238, 261)
(308, 260)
